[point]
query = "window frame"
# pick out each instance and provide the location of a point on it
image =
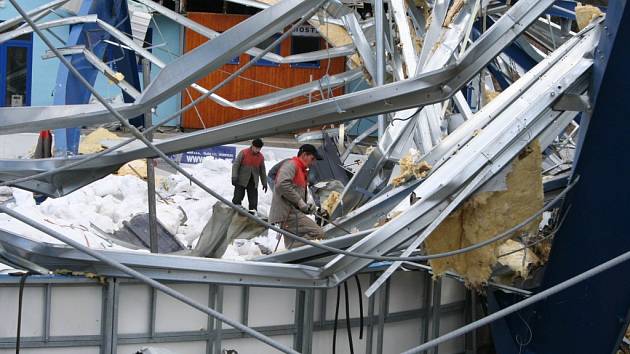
(315, 64)
(21, 43)
(277, 50)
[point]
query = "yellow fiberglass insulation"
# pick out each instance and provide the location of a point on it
(331, 202)
(409, 168)
(519, 260)
(92, 142)
(136, 168)
(584, 14)
(486, 214)
(453, 11)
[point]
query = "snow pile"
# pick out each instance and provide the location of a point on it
(106, 203)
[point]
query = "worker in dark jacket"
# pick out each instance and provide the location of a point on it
(289, 206)
(247, 169)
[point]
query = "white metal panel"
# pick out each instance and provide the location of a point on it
(76, 310)
(32, 311)
(173, 315)
(407, 291)
(134, 307)
(452, 291)
(140, 21)
(232, 303)
(73, 6)
(401, 336)
(448, 323)
(269, 307)
(249, 345)
(179, 348)
(322, 341)
(17, 146)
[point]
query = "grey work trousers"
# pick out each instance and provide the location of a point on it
(300, 224)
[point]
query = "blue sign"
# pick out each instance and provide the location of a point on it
(218, 152)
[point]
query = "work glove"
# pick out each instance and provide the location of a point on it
(322, 213)
(309, 208)
(234, 182)
(265, 189)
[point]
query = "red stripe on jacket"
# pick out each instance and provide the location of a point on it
(301, 174)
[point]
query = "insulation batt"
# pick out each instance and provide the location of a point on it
(110, 201)
(91, 143)
(410, 168)
(584, 14)
(486, 214)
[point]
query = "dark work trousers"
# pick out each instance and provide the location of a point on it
(252, 194)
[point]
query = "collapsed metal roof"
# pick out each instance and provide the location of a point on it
(418, 69)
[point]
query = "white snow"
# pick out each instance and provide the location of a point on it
(106, 203)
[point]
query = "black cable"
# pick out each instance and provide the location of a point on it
(334, 344)
(348, 325)
(407, 118)
(19, 316)
(356, 277)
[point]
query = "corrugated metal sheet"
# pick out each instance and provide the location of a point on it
(73, 6)
(140, 21)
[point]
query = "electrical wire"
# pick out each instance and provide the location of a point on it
(407, 118)
(356, 278)
(334, 339)
(348, 325)
(18, 336)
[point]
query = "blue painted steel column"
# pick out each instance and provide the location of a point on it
(592, 316)
(68, 89)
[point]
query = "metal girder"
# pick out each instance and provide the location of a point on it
(397, 139)
(399, 9)
(36, 11)
(363, 46)
(272, 57)
(46, 25)
(211, 55)
(383, 203)
(110, 74)
(456, 171)
(545, 120)
(427, 88)
(165, 267)
(440, 8)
